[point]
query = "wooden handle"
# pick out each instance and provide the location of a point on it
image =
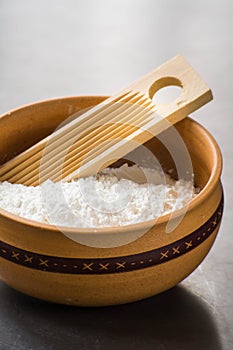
(176, 71)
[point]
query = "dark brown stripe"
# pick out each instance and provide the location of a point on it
(113, 265)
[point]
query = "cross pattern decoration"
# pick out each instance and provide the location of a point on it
(113, 264)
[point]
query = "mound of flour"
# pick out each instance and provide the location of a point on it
(114, 197)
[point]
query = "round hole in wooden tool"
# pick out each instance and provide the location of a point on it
(165, 90)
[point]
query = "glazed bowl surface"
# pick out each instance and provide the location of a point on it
(41, 261)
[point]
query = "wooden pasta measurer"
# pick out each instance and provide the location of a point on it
(110, 130)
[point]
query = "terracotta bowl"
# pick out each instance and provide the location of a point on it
(41, 261)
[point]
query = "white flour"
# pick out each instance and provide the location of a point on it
(108, 199)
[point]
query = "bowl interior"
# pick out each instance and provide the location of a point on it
(25, 126)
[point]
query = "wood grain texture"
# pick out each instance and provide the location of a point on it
(111, 129)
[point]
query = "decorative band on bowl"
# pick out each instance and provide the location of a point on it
(97, 266)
